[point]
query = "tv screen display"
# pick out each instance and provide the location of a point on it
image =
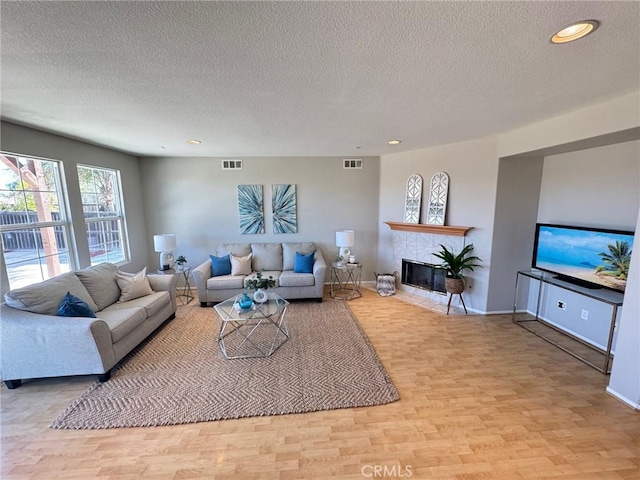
(588, 256)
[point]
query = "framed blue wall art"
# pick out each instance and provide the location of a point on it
(284, 206)
(250, 209)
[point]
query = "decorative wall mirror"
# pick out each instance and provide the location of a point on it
(438, 199)
(413, 199)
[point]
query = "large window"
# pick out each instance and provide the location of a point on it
(103, 214)
(33, 220)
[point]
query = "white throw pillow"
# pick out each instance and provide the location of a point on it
(240, 265)
(133, 285)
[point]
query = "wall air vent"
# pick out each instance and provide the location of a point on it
(352, 163)
(235, 164)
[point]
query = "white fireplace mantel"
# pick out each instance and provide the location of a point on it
(423, 228)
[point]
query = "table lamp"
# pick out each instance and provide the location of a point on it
(165, 243)
(344, 240)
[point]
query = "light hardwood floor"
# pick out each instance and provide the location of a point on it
(481, 398)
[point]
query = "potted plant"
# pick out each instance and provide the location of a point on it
(260, 284)
(181, 261)
(456, 264)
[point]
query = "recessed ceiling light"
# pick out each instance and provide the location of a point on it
(394, 142)
(194, 142)
(575, 31)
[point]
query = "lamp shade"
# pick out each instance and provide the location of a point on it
(164, 242)
(345, 238)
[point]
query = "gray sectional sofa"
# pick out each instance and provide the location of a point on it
(272, 259)
(37, 343)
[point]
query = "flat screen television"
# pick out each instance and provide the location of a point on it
(591, 257)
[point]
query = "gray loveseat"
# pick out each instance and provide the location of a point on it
(37, 343)
(272, 259)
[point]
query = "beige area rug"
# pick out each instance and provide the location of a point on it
(180, 376)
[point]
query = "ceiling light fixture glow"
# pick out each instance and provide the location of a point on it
(394, 142)
(194, 142)
(575, 31)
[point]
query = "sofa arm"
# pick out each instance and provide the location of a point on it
(35, 345)
(165, 283)
(319, 272)
(200, 275)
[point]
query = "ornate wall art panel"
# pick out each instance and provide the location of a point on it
(284, 205)
(413, 199)
(250, 209)
(438, 192)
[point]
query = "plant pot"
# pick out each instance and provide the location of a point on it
(454, 285)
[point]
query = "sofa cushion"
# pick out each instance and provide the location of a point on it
(72, 306)
(133, 285)
(237, 249)
(122, 321)
(240, 265)
(289, 253)
(292, 279)
(44, 297)
(152, 304)
(304, 263)
(100, 282)
(226, 281)
(220, 265)
(275, 274)
(266, 256)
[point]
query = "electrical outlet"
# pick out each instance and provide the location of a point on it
(562, 305)
(585, 314)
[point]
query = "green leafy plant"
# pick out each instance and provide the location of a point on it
(616, 261)
(181, 260)
(457, 263)
(259, 282)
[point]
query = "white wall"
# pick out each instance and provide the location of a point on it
(197, 200)
(597, 187)
(473, 173)
(625, 376)
(27, 141)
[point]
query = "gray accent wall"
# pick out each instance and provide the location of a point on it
(197, 200)
(517, 200)
(27, 141)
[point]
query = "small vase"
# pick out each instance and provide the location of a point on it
(245, 301)
(260, 296)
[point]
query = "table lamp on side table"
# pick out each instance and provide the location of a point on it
(344, 240)
(165, 243)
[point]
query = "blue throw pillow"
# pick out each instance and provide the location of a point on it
(72, 306)
(304, 263)
(220, 265)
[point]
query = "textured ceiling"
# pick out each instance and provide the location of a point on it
(305, 78)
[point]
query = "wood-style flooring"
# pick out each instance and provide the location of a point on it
(481, 398)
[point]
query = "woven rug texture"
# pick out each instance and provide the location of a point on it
(179, 375)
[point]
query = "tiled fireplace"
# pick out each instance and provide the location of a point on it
(419, 247)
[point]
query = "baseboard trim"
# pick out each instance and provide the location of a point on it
(623, 399)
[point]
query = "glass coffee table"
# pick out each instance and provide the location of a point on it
(254, 332)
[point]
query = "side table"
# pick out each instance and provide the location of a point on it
(345, 281)
(186, 295)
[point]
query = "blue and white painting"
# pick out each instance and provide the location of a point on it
(283, 201)
(250, 209)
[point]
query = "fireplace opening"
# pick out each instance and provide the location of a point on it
(423, 275)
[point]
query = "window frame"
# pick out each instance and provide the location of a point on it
(121, 218)
(65, 223)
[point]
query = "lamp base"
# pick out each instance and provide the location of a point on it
(345, 252)
(167, 261)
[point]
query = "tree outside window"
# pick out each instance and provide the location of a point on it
(103, 214)
(33, 223)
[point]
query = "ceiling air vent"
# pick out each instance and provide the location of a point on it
(352, 163)
(232, 164)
